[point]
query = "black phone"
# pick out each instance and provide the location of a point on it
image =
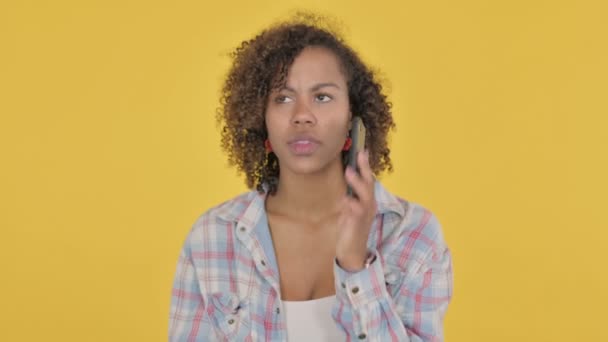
(357, 134)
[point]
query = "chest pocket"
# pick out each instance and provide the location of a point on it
(231, 316)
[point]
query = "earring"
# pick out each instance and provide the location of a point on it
(267, 146)
(347, 144)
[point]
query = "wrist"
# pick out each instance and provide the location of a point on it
(356, 263)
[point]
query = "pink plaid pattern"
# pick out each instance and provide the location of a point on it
(225, 288)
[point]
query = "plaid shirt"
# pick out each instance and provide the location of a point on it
(226, 285)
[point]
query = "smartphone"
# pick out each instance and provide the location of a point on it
(357, 134)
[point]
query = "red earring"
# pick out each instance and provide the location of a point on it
(347, 144)
(267, 146)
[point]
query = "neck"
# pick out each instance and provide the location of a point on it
(311, 196)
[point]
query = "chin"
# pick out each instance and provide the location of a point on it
(303, 168)
(306, 165)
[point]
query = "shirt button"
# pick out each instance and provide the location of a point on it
(231, 321)
(343, 286)
(263, 263)
(278, 310)
(355, 290)
(362, 336)
(242, 229)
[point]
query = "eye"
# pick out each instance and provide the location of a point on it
(323, 98)
(282, 99)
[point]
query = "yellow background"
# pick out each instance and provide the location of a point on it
(110, 151)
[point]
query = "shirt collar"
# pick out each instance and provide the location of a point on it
(246, 210)
(387, 202)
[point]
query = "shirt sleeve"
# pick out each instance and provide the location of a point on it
(187, 318)
(402, 297)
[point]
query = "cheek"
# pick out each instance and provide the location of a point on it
(340, 119)
(337, 131)
(274, 124)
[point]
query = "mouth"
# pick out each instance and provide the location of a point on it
(303, 146)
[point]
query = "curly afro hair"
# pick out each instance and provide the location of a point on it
(260, 65)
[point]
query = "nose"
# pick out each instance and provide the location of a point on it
(303, 114)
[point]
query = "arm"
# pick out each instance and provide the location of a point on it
(412, 306)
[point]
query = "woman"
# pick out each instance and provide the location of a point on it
(298, 259)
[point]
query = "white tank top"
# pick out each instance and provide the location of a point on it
(311, 320)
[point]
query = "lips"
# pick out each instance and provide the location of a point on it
(303, 145)
(303, 138)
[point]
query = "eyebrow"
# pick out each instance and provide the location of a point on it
(315, 87)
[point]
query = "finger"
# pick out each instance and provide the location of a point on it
(355, 208)
(345, 211)
(342, 218)
(358, 211)
(344, 204)
(364, 168)
(360, 187)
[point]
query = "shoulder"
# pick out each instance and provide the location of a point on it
(421, 226)
(410, 229)
(218, 220)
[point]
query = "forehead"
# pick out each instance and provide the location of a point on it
(313, 65)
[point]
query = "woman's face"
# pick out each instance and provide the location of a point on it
(308, 120)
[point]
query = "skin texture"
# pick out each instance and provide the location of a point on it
(314, 105)
(260, 66)
(299, 86)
